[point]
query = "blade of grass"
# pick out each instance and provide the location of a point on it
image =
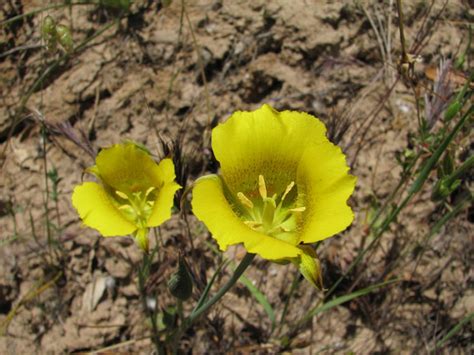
(33, 293)
(254, 291)
(343, 299)
(203, 297)
(43, 9)
(260, 297)
(293, 287)
(454, 330)
(430, 163)
(415, 187)
(43, 75)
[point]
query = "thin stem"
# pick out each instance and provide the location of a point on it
(43, 9)
(427, 167)
(179, 309)
(197, 48)
(246, 261)
(405, 58)
(46, 196)
(199, 310)
(465, 167)
(294, 285)
(143, 272)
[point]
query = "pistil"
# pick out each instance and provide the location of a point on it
(274, 215)
(138, 207)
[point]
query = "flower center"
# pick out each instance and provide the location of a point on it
(137, 206)
(271, 215)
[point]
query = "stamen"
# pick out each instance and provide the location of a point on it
(149, 191)
(262, 188)
(244, 200)
(122, 195)
(253, 224)
(287, 191)
(298, 209)
(284, 229)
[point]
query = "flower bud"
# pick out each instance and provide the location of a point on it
(48, 32)
(64, 37)
(181, 284)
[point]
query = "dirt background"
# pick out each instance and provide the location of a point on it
(142, 79)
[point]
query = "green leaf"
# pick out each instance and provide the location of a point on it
(454, 330)
(203, 297)
(343, 299)
(260, 297)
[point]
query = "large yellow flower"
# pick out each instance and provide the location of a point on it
(135, 193)
(282, 184)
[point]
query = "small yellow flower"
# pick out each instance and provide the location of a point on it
(135, 194)
(282, 185)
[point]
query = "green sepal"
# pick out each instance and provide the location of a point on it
(141, 237)
(309, 266)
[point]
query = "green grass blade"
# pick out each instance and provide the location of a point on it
(203, 297)
(343, 299)
(260, 297)
(430, 163)
(454, 330)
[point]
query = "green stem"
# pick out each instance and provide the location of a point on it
(405, 58)
(294, 285)
(246, 261)
(203, 307)
(46, 194)
(466, 166)
(414, 188)
(42, 9)
(143, 273)
(430, 163)
(179, 308)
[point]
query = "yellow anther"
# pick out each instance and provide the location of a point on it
(121, 195)
(149, 191)
(128, 210)
(262, 188)
(298, 209)
(244, 200)
(287, 191)
(253, 224)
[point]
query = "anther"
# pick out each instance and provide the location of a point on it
(121, 195)
(262, 188)
(149, 191)
(298, 209)
(244, 200)
(253, 224)
(287, 191)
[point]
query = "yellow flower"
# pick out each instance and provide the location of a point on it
(135, 194)
(282, 184)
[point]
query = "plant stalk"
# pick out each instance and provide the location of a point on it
(199, 310)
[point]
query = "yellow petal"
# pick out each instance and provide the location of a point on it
(97, 210)
(264, 142)
(211, 207)
(324, 186)
(164, 200)
(127, 168)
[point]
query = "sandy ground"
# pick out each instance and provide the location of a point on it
(142, 79)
